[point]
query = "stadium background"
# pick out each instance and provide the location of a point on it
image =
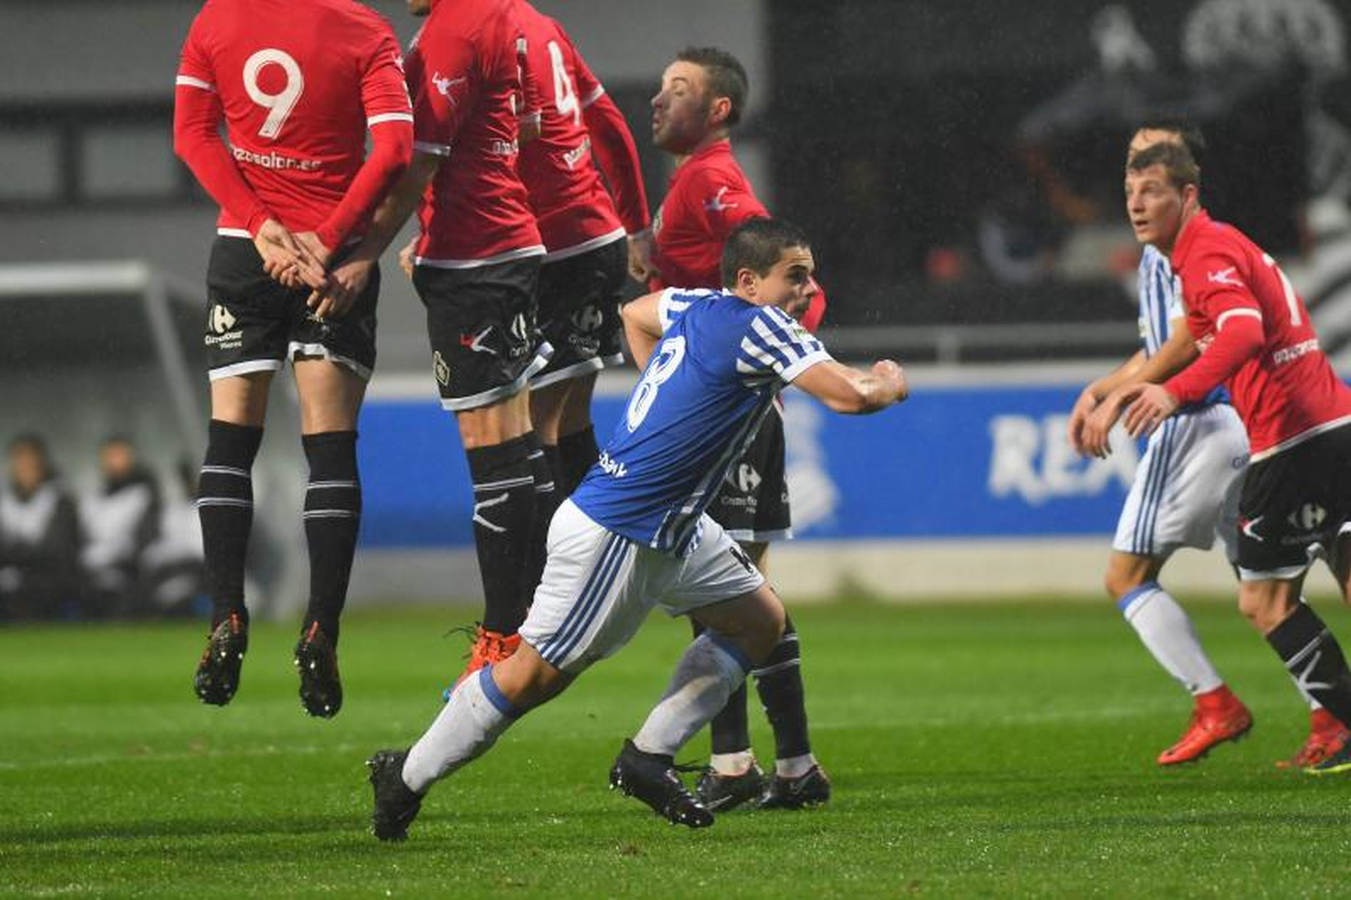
(958, 169)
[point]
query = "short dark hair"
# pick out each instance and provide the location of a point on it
(1187, 132)
(28, 440)
(1176, 160)
(726, 76)
(757, 244)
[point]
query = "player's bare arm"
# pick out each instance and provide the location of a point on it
(350, 278)
(642, 327)
(848, 390)
(1176, 354)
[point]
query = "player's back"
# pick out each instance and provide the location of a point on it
(290, 77)
(566, 191)
(1290, 388)
(713, 376)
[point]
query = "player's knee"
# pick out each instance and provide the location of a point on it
(1265, 603)
(764, 636)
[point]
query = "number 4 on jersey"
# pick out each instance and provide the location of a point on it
(565, 97)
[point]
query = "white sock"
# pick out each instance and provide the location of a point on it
(738, 763)
(1166, 631)
(704, 678)
(468, 725)
(794, 766)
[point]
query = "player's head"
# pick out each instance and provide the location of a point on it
(420, 7)
(769, 262)
(29, 464)
(1156, 131)
(1163, 190)
(702, 92)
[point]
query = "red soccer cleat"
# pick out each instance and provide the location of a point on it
(489, 647)
(1219, 716)
(1327, 737)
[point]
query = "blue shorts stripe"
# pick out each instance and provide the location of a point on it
(1151, 473)
(591, 607)
(601, 561)
(1169, 433)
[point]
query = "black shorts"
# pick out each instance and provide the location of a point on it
(1294, 506)
(253, 324)
(579, 312)
(481, 323)
(752, 504)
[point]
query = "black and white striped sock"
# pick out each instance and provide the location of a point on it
(332, 521)
(225, 509)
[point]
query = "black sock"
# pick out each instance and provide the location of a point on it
(542, 460)
(332, 520)
(225, 509)
(779, 683)
(504, 519)
(577, 452)
(729, 729)
(1315, 660)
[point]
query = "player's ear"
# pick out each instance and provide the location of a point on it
(747, 282)
(719, 110)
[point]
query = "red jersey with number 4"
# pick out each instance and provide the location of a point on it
(298, 83)
(464, 78)
(573, 209)
(1289, 391)
(708, 196)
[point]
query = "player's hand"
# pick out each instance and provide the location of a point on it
(309, 243)
(406, 256)
(346, 282)
(1151, 404)
(1097, 429)
(640, 256)
(1083, 407)
(285, 258)
(890, 373)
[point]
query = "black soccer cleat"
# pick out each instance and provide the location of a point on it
(317, 662)
(719, 793)
(217, 676)
(651, 777)
(396, 806)
(809, 789)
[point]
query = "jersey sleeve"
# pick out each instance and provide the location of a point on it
(775, 343)
(389, 116)
(197, 140)
(1216, 287)
(723, 202)
(672, 305)
(442, 81)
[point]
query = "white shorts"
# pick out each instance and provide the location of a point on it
(599, 586)
(1187, 486)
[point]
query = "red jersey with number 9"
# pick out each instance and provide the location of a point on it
(298, 83)
(1288, 392)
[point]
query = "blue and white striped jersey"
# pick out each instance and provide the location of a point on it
(712, 378)
(1160, 304)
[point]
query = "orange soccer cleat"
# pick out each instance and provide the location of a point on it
(1327, 737)
(489, 647)
(1219, 716)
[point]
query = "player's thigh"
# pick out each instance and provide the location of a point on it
(576, 412)
(579, 313)
(481, 326)
(594, 593)
(241, 399)
(546, 409)
(499, 421)
(247, 319)
(330, 395)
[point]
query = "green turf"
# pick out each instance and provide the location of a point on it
(976, 750)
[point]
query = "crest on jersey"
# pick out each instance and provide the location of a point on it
(221, 319)
(440, 368)
(1224, 276)
(445, 85)
(717, 204)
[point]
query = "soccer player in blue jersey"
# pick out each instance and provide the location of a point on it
(635, 535)
(1185, 493)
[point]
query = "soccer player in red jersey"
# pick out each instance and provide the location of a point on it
(1254, 336)
(584, 230)
(702, 97)
(298, 84)
(476, 267)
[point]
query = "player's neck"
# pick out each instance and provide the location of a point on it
(1188, 213)
(707, 141)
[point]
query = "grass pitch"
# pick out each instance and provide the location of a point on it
(976, 750)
